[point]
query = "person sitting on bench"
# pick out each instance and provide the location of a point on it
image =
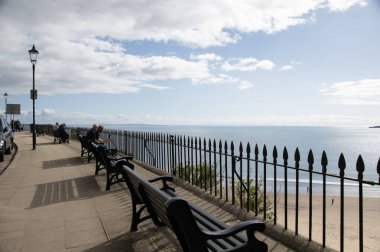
(55, 129)
(62, 134)
(91, 133)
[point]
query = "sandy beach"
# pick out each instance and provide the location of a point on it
(351, 220)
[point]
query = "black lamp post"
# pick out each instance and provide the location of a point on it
(33, 93)
(5, 99)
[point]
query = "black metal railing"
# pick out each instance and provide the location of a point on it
(256, 181)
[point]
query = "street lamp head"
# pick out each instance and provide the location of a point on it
(33, 55)
(5, 95)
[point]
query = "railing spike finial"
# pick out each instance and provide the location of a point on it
(232, 146)
(285, 155)
(256, 150)
(275, 154)
(248, 149)
(241, 147)
(341, 164)
(360, 165)
(265, 152)
(297, 156)
(310, 157)
(324, 160)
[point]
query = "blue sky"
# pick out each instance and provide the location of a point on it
(300, 62)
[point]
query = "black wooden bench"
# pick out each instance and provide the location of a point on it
(99, 163)
(55, 135)
(113, 164)
(85, 147)
(195, 229)
(137, 200)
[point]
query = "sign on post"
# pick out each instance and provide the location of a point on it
(13, 109)
(33, 94)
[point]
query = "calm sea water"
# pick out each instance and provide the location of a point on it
(351, 141)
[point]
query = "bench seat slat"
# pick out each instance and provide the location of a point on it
(208, 225)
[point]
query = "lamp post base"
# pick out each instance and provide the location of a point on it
(34, 140)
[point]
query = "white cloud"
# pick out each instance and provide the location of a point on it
(291, 65)
(47, 112)
(81, 42)
(287, 67)
(247, 65)
(222, 79)
(152, 86)
(343, 5)
(362, 92)
(206, 57)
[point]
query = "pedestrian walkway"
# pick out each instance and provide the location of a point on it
(50, 200)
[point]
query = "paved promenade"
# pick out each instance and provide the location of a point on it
(50, 200)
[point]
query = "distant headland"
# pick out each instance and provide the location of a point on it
(375, 126)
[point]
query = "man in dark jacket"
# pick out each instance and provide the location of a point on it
(91, 133)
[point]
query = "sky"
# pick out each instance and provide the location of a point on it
(193, 62)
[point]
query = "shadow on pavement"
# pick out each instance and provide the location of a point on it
(151, 238)
(66, 190)
(57, 163)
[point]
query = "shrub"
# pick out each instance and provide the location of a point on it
(203, 175)
(252, 197)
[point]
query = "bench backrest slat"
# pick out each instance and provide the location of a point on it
(154, 200)
(180, 216)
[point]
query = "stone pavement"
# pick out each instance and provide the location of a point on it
(50, 200)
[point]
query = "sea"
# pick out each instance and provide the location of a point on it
(351, 141)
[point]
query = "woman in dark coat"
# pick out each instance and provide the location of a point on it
(62, 134)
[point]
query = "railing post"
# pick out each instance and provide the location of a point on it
(265, 153)
(297, 166)
(256, 179)
(192, 160)
(233, 164)
(285, 157)
(310, 160)
(126, 142)
(180, 156)
(342, 166)
(324, 163)
(226, 168)
(360, 170)
(248, 150)
(220, 169)
(275, 155)
(215, 167)
(240, 158)
(172, 146)
(209, 165)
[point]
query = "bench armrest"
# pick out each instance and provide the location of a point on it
(249, 226)
(164, 180)
(126, 158)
